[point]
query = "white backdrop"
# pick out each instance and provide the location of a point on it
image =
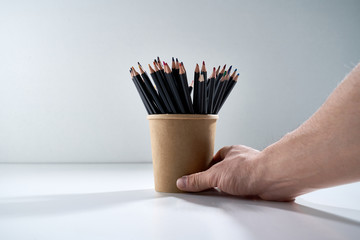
(66, 94)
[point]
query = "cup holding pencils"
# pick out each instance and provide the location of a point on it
(182, 127)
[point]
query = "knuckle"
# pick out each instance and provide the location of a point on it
(193, 181)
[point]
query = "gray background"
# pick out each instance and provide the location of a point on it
(66, 94)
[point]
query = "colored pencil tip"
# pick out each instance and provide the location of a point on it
(173, 59)
(177, 60)
(203, 62)
(235, 69)
(238, 74)
(224, 73)
(139, 64)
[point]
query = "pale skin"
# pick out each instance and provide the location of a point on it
(322, 152)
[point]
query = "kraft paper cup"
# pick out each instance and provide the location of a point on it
(181, 144)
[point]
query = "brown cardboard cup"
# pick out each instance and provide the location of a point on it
(181, 144)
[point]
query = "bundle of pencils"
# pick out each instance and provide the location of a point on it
(169, 92)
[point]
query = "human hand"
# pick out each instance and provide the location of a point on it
(239, 170)
(234, 170)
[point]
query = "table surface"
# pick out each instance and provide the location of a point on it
(118, 201)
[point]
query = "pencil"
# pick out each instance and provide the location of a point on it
(152, 90)
(166, 88)
(191, 87)
(228, 91)
(160, 88)
(204, 89)
(178, 83)
(221, 93)
(218, 77)
(217, 91)
(146, 92)
(173, 89)
(217, 71)
(141, 93)
(196, 104)
(201, 94)
(185, 90)
(211, 91)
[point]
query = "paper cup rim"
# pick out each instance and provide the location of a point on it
(182, 116)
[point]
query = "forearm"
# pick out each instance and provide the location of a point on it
(322, 152)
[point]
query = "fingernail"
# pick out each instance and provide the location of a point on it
(180, 183)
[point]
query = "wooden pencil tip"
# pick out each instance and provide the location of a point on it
(177, 60)
(173, 59)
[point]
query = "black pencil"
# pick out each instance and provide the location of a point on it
(218, 77)
(178, 83)
(211, 91)
(217, 71)
(204, 90)
(166, 88)
(173, 89)
(191, 87)
(231, 85)
(202, 94)
(185, 90)
(147, 93)
(221, 90)
(217, 91)
(196, 104)
(152, 90)
(160, 89)
(146, 103)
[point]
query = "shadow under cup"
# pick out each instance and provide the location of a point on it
(181, 144)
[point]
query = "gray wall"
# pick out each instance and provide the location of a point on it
(66, 94)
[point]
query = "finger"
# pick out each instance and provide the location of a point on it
(197, 182)
(220, 155)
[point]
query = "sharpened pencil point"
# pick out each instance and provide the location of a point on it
(173, 59)
(203, 62)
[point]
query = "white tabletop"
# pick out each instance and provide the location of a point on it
(117, 201)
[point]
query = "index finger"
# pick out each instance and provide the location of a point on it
(220, 155)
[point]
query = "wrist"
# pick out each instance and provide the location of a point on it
(283, 171)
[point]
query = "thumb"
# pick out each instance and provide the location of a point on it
(197, 182)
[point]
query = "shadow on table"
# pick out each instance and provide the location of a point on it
(217, 199)
(234, 206)
(70, 203)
